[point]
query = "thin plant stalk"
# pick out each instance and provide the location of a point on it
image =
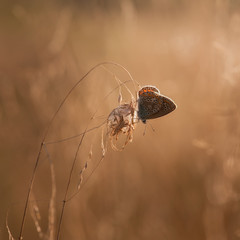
(68, 184)
(46, 133)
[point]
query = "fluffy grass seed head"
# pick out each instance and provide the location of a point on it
(122, 120)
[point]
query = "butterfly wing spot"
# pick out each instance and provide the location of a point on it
(147, 89)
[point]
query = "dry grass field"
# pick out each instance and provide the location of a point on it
(179, 181)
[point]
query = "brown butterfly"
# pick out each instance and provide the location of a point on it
(152, 104)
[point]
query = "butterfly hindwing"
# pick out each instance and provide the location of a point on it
(151, 104)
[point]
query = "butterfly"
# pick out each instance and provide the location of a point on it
(152, 104)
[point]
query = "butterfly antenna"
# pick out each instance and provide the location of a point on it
(153, 129)
(145, 129)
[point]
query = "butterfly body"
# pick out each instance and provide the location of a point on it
(152, 104)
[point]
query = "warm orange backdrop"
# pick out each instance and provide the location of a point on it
(179, 182)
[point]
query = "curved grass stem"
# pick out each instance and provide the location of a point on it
(45, 136)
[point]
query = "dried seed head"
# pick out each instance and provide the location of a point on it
(122, 120)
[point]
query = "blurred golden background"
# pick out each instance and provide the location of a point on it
(181, 181)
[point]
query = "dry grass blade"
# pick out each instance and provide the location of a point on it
(94, 169)
(52, 204)
(120, 98)
(52, 210)
(76, 136)
(90, 154)
(34, 209)
(68, 184)
(35, 214)
(102, 146)
(29, 192)
(81, 175)
(10, 236)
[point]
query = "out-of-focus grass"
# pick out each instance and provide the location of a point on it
(179, 182)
